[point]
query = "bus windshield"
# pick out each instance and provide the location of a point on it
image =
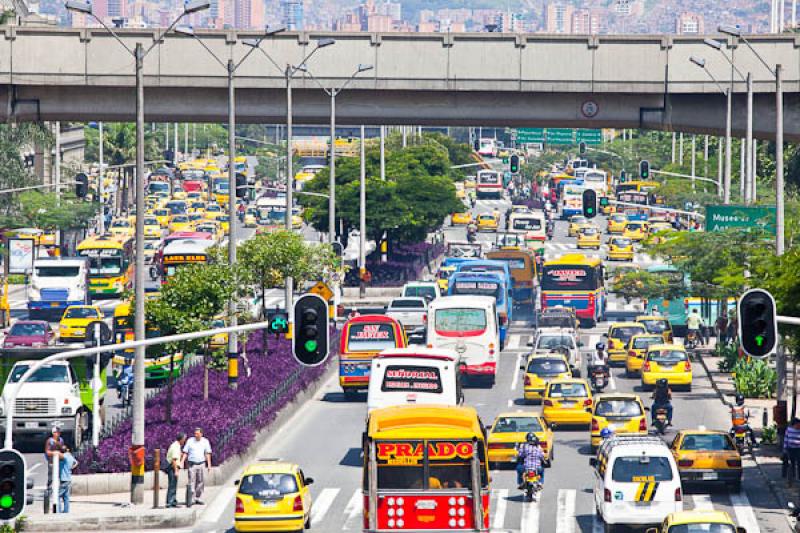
(370, 337)
(402, 465)
(460, 320)
(569, 278)
(103, 262)
(527, 223)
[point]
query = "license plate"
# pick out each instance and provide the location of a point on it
(709, 476)
(667, 368)
(269, 504)
(642, 504)
(567, 404)
(53, 304)
(31, 425)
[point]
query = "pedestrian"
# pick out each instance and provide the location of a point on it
(197, 451)
(173, 466)
(52, 447)
(68, 464)
(721, 327)
(733, 327)
(791, 449)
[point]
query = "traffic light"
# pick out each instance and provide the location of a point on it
(311, 330)
(589, 203)
(278, 322)
(476, 144)
(12, 484)
(623, 176)
(241, 185)
(758, 328)
(604, 201)
(644, 169)
(582, 148)
(514, 164)
(81, 185)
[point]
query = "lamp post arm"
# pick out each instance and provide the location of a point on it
(771, 71)
(210, 51)
(113, 33)
(169, 29)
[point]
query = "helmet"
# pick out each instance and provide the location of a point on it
(606, 433)
(740, 399)
(600, 346)
(532, 438)
(661, 383)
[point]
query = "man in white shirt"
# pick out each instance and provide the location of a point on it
(197, 453)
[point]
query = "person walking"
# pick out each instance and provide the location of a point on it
(722, 329)
(197, 451)
(791, 449)
(67, 465)
(52, 447)
(174, 456)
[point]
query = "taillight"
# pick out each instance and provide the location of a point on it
(678, 495)
(424, 318)
(496, 446)
(548, 403)
(587, 402)
(591, 299)
(298, 504)
(595, 425)
(239, 505)
(607, 495)
(646, 366)
(687, 366)
(685, 462)
(734, 463)
(527, 380)
(643, 424)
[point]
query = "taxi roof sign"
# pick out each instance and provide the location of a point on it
(322, 290)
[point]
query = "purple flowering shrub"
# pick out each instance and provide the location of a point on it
(232, 416)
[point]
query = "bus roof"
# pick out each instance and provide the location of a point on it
(184, 235)
(406, 421)
(573, 259)
(188, 246)
(485, 263)
(466, 300)
(101, 242)
(371, 319)
(419, 352)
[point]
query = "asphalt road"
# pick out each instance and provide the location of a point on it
(325, 434)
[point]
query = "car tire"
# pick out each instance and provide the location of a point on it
(307, 524)
(735, 486)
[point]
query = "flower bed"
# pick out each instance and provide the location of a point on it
(405, 262)
(230, 418)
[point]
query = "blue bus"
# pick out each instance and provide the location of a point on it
(485, 284)
(501, 268)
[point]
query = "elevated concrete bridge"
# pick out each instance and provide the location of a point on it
(428, 79)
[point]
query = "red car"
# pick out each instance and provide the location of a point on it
(30, 333)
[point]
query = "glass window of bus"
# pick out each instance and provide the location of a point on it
(514, 263)
(411, 378)
(527, 223)
(547, 366)
(633, 468)
(460, 320)
(445, 472)
(480, 288)
(569, 278)
(370, 337)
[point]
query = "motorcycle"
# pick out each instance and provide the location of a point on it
(472, 235)
(531, 485)
(661, 421)
(691, 340)
(598, 378)
(743, 439)
(125, 383)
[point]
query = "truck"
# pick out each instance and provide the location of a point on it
(57, 283)
(411, 312)
(58, 394)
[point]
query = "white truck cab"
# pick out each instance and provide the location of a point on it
(57, 283)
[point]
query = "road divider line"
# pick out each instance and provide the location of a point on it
(702, 502)
(745, 516)
(500, 506)
(530, 517)
(565, 517)
(515, 377)
(322, 503)
(353, 510)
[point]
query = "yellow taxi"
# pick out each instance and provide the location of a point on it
(272, 496)
(707, 456)
(567, 401)
(635, 230)
(618, 336)
(122, 227)
(250, 217)
(194, 196)
(152, 229)
(76, 319)
(637, 347)
(162, 215)
(210, 226)
(462, 219)
(657, 324)
(576, 222)
(178, 193)
(606, 208)
(196, 206)
(224, 224)
(179, 223)
(195, 218)
(297, 218)
(668, 361)
(470, 183)
(220, 340)
(510, 429)
(686, 521)
(617, 222)
(487, 222)
(150, 248)
(620, 248)
(620, 413)
(213, 210)
(541, 368)
(589, 237)
(213, 214)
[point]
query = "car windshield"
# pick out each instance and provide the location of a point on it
(551, 342)
(618, 408)
(667, 356)
(547, 366)
(80, 312)
(268, 486)
(422, 291)
(45, 374)
(625, 333)
(638, 468)
(567, 390)
(642, 343)
(621, 242)
(556, 321)
(407, 304)
(702, 527)
(706, 442)
(655, 325)
(517, 424)
(26, 330)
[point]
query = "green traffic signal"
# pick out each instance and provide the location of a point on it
(759, 340)
(311, 346)
(6, 501)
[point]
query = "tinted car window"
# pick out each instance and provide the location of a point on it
(641, 467)
(713, 442)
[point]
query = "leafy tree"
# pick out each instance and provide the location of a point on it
(13, 173)
(120, 143)
(645, 285)
(48, 211)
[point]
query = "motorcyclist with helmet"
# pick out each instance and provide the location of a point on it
(662, 399)
(530, 458)
(739, 418)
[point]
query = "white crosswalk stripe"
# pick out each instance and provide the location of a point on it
(702, 502)
(565, 517)
(321, 504)
(530, 517)
(745, 516)
(353, 511)
(500, 505)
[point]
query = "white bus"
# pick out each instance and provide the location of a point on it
(532, 224)
(489, 185)
(596, 179)
(469, 326)
(487, 147)
(414, 375)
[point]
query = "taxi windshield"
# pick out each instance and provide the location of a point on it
(667, 356)
(547, 366)
(641, 343)
(517, 424)
(625, 333)
(702, 528)
(266, 486)
(80, 312)
(567, 390)
(618, 408)
(656, 325)
(639, 468)
(370, 337)
(706, 442)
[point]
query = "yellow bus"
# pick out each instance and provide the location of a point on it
(638, 186)
(425, 469)
(110, 264)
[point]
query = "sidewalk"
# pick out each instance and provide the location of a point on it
(767, 457)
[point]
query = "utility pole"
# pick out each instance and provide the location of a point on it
(362, 244)
(705, 157)
(779, 179)
(694, 159)
(57, 161)
(720, 171)
(383, 154)
(680, 150)
(742, 169)
(233, 340)
(754, 166)
(101, 224)
(674, 135)
(175, 144)
(748, 150)
(332, 176)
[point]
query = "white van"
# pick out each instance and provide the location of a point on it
(415, 375)
(636, 481)
(469, 326)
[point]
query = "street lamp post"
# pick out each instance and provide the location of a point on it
(139, 53)
(230, 67)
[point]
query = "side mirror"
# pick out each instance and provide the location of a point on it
(580, 344)
(646, 408)
(741, 530)
(605, 335)
(530, 344)
(593, 461)
(522, 367)
(236, 483)
(309, 481)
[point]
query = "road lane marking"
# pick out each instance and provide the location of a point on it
(702, 502)
(745, 516)
(353, 511)
(500, 505)
(513, 342)
(322, 503)
(530, 517)
(510, 403)
(565, 517)
(515, 377)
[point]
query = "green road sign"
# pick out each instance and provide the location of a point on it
(592, 137)
(722, 217)
(530, 135)
(560, 136)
